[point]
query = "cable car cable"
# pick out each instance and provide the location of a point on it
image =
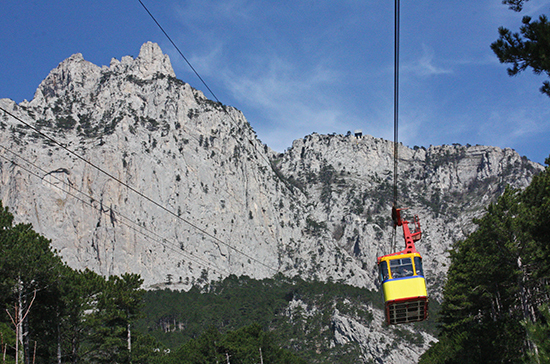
(137, 192)
(395, 110)
(177, 49)
(396, 103)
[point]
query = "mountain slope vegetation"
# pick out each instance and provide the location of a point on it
(495, 307)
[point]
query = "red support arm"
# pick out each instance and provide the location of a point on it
(410, 238)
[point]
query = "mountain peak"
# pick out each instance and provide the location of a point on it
(151, 60)
(84, 75)
(74, 72)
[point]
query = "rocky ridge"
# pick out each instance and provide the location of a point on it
(229, 204)
(349, 182)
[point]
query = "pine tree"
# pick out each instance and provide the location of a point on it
(67, 315)
(539, 333)
(28, 275)
(530, 48)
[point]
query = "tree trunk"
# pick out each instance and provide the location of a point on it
(26, 340)
(18, 325)
(261, 357)
(74, 343)
(522, 292)
(129, 344)
(58, 342)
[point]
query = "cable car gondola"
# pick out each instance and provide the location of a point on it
(402, 277)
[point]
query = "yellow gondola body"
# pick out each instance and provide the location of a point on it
(403, 282)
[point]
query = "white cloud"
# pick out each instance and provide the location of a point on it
(425, 65)
(290, 102)
(518, 126)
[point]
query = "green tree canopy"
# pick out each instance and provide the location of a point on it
(530, 48)
(64, 315)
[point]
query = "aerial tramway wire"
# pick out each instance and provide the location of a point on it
(180, 52)
(395, 110)
(137, 192)
(164, 242)
(396, 102)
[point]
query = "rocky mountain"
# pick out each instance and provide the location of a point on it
(349, 184)
(128, 169)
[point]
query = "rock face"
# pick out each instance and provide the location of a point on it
(349, 184)
(142, 173)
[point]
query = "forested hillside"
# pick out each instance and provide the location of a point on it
(495, 307)
(52, 313)
(299, 314)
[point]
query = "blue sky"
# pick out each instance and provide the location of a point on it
(298, 67)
